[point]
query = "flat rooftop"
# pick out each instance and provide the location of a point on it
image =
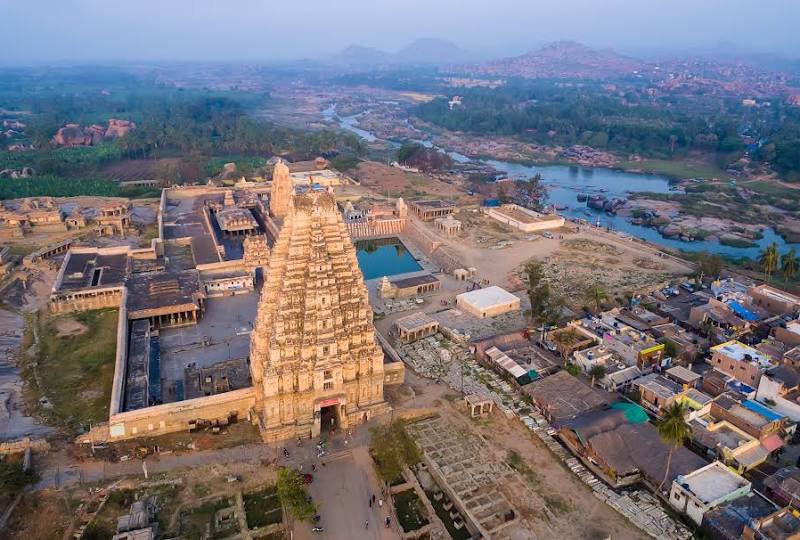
(523, 215)
(414, 281)
(776, 294)
(148, 294)
(415, 321)
(487, 297)
(433, 204)
(741, 352)
(94, 269)
(712, 482)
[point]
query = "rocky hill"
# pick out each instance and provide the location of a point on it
(563, 59)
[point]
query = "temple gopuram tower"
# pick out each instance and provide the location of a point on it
(280, 197)
(255, 255)
(314, 359)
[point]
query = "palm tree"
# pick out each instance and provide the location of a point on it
(768, 258)
(596, 294)
(673, 430)
(597, 372)
(789, 265)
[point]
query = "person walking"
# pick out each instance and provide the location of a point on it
(388, 519)
(369, 502)
(380, 503)
(366, 524)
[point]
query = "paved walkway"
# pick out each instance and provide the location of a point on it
(343, 488)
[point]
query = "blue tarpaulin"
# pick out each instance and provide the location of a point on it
(763, 410)
(742, 311)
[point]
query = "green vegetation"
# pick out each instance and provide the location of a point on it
(595, 294)
(73, 367)
(736, 242)
(678, 168)
(345, 162)
(13, 478)
(665, 129)
(546, 307)
(423, 158)
(392, 448)
(293, 495)
(244, 165)
(769, 258)
(444, 515)
(674, 431)
(196, 521)
(13, 188)
(410, 510)
(262, 508)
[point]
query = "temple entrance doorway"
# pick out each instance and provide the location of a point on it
(329, 418)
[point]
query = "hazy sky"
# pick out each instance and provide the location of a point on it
(100, 30)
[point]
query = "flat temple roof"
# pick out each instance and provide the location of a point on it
(414, 281)
(162, 291)
(80, 270)
(487, 297)
(433, 204)
(415, 321)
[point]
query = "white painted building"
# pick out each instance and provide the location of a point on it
(708, 487)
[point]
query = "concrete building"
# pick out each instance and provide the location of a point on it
(487, 302)
(698, 492)
(774, 300)
(780, 388)
(740, 361)
(657, 392)
(524, 219)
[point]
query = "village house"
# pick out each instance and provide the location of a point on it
(696, 493)
(740, 361)
(779, 389)
(730, 520)
(774, 300)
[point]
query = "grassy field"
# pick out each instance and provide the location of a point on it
(262, 508)
(196, 521)
(75, 369)
(677, 168)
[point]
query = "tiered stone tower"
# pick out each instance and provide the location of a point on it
(280, 197)
(256, 254)
(313, 350)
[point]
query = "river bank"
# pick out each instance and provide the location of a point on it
(692, 227)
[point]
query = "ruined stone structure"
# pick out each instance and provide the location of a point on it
(377, 220)
(313, 348)
(256, 255)
(114, 219)
(40, 213)
(280, 198)
(76, 219)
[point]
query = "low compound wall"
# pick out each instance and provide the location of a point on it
(173, 417)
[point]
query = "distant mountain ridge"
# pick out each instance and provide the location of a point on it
(420, 51)
(563, 59)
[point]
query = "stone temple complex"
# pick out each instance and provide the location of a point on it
(314, 357)
(248, 306)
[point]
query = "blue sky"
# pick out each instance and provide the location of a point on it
(261, 30)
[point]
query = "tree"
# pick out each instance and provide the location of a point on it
(392, 448)
(546, 308)
(789, 265)
(768, 258)
(674, 431)
(596, 294)
(709, 265)
(13, 478)
(293, 495)
(597, 372)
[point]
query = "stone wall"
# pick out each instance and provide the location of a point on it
(19, 446)
(379, 227)
(173, 417)
(431, 247)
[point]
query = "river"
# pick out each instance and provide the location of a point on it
(564, 183)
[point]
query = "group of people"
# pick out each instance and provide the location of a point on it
(372, 504)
